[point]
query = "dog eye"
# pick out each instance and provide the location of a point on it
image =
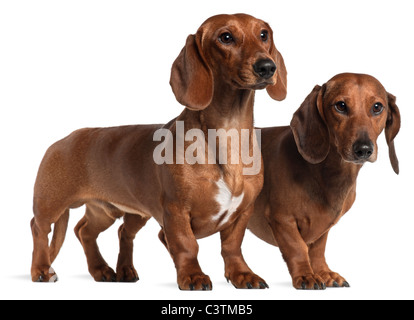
(341, 107)
(377, 108)
(226, 38)
(264, 35)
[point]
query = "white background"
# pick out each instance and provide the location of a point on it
(65, 65)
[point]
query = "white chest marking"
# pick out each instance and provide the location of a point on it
(228, 203)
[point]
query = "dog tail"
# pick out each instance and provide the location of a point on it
(59, 234)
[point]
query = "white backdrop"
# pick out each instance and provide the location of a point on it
(65, 65)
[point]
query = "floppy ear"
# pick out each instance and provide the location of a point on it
(191, 78)
(279, 90)
(391, 130)
(309, 129)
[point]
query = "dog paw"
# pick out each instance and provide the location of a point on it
(126, 274)
(48, 275)
(103, 274)
(247, 280)
(197, 281)
(309, 282)
(333, 279)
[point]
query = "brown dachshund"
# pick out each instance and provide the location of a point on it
(113, 170)
(311, 170)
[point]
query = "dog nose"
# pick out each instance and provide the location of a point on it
(363, 149)
(265, 68)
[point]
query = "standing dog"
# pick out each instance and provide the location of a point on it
(113, 171)
(311, 171)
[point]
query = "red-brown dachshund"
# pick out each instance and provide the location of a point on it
(114, 173)
(311, 170)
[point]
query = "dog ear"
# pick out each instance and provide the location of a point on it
(191, 78)
(279, 90)
(310, 130)
(391, 130)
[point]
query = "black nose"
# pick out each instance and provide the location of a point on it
(363, 149)
(265, 68)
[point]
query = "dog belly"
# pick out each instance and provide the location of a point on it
(131, 210)
(260, 227)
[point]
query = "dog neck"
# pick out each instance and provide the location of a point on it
(331, 181)
(338, 176)
(231, 109)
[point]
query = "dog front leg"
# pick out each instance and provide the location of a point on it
(295, 252)
(236, 269)
(183, 248)
(320, 267)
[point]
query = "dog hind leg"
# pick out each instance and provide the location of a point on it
(98, 217)
(46, 214)
(125, 270)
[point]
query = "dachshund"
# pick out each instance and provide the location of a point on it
(311, 169)
(113, 171)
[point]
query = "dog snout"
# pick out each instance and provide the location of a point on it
(265, 68)
(363, 149)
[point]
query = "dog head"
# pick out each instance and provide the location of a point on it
(347, 113)
(237, 49)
